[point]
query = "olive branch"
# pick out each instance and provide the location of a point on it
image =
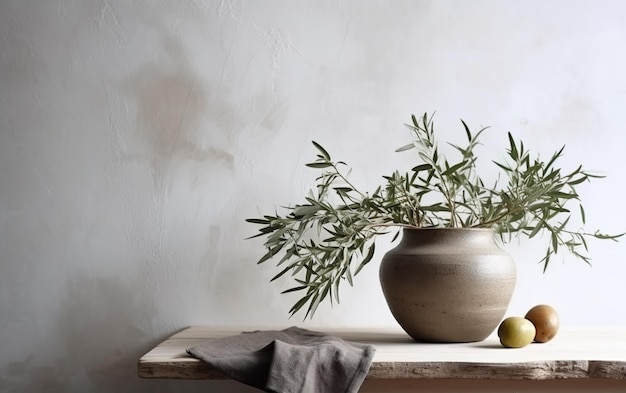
(330, 236)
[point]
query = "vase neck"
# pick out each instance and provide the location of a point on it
(443, 235)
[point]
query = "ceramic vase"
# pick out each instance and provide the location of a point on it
(448, 284)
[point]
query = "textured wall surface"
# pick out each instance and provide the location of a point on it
(136, 137)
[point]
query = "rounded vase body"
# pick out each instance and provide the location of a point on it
(448, 284)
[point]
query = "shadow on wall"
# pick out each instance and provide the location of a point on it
(100, 334)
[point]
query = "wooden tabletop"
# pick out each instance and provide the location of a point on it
(573, 353)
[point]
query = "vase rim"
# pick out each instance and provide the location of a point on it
(448, 229)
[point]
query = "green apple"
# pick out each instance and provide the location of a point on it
(516, 332)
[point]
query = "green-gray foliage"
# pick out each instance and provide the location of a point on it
(330, 236)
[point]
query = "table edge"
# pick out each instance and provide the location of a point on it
(192, 368)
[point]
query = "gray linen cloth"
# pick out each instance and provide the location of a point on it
(293, 360)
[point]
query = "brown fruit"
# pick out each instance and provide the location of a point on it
(546, 321)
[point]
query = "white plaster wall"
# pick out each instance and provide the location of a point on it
(136, 137)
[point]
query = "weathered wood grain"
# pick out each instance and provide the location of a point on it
(607, 369)
(190, 369)
(467, 370)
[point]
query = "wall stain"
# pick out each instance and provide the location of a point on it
(177, 116)
(26, 376)
(21, 367)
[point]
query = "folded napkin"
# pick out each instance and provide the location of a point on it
(293, 360)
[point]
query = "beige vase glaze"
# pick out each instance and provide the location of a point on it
(448, 284)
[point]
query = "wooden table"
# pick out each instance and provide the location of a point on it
(580, 354)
